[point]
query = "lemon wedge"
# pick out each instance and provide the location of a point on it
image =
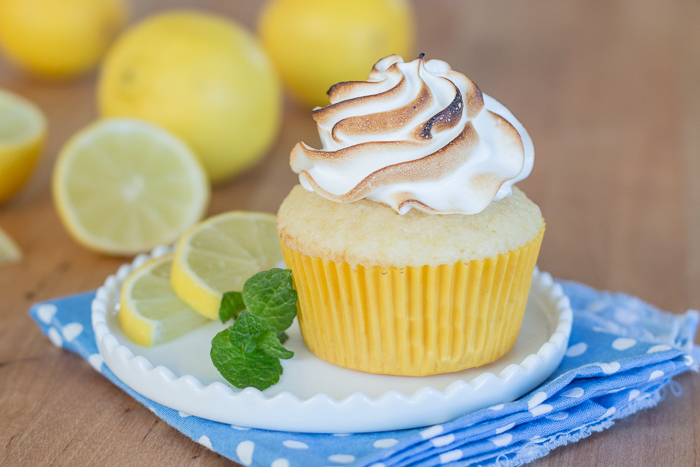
(22, 135)
(150, 312)
(124, 186)
(220, 254)
(9, 251)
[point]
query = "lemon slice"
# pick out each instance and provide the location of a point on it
(22, 135)
(124, 186)
(150, 313)
(9, 251)
(220, 254)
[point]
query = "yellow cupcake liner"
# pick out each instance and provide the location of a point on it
(413, 320)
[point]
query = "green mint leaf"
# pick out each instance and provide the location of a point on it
(248, 352)
(250, 347)
(270, 295)
(245, 328)
(242, 369)
(268, 343)
(231, 306)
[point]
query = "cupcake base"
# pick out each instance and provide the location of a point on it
(413, 321)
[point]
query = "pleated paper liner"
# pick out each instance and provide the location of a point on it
(413, 321)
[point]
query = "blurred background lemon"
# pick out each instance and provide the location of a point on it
(59, 38)
(317, 43)
(22, 136)
(9, 251)
(202, 77)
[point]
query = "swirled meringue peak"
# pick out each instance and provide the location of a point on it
(415, 135)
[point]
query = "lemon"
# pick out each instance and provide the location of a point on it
(220, 254)
(318, 43)
(124, 186)
(201, 77)
(59, 38)
(149, 311)
(22, 136)
(9, 251)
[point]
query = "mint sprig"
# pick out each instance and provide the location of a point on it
(247, 353)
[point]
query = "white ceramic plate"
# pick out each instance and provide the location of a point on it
(317, 397)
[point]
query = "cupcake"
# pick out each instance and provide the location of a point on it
(411, 251)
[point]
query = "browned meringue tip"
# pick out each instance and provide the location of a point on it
(340, 91)
(407, 132)
(393, 58)
(447, 118)
(383, 122)
(298, 160)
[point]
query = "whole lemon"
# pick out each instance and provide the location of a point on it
(202, 77)
(59, 38)
(317, 43)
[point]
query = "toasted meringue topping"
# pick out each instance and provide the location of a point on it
(415, 135)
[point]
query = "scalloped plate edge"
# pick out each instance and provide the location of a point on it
(321, 413)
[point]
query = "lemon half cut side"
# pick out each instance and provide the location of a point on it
(22, 135)
(220, 254)
(124, 186)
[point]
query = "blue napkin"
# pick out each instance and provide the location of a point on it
(621, 358)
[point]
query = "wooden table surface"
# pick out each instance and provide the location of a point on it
(610, 93)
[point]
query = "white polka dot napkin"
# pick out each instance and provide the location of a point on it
(621, 358)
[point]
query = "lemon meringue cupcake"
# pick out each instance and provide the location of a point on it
(411, 251)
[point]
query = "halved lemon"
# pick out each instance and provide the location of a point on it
(9, 251)
(150, 312)
(220, 254)
(124, 186)
(22, 135)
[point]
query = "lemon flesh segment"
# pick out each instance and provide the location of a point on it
(22, 136)
(150, 312)
(9, 251)
(124, 186)
(220, 254)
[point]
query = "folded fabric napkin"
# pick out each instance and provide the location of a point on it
(621, 357)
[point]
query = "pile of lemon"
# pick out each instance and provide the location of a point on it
(186, 100)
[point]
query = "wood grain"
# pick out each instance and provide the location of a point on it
(610, 93)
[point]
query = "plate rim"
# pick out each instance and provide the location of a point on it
(117, 357)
